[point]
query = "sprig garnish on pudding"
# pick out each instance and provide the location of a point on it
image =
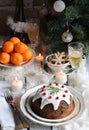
(53, 101)
(53, 89)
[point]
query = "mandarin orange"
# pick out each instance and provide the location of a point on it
(0, 49)
(27, 55)
(4, 58)
(16, 58)
(8, 46)
(20, 47)
(15, 40)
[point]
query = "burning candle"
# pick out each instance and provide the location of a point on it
(17, 85)
(39, 58)
(61, 77)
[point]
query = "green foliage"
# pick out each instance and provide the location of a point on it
(75, 17)
(79, 32)
(53, 89)
(71, 13)
(86, 49)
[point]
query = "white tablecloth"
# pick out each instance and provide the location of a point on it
(82, 84)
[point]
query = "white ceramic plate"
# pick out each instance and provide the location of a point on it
(72, 115)
(79, 108)
(23, 63)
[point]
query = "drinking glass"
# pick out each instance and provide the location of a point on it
(75, 53)
(33, 33)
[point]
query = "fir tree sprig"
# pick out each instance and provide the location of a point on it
(86, 48)
(53, 89)
(71, 13)
(76, 13)
(79, 32)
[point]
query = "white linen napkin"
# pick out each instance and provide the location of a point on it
(6, 116)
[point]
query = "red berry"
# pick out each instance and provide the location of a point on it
(64, 95)
(44, 86)
(44, 94)
(66, 91)
(50, 97)
(56, 84)
(57, 97)
(62, 86)
(42, 90)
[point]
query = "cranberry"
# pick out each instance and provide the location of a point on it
(66, 91)
(57, 97)
(64, 95)
(62, 86)
(44, 86)
(56, 84)
(44, 94)
(42, 90)
(50, 97)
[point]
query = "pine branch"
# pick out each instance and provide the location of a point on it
(86, 48)
(79, 32)
(71, 13)
(76, 14)
(53, 89)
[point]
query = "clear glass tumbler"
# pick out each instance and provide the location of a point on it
(75, 53)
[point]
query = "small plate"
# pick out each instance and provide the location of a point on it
(23, 63)
(68, 69)
(79, 108)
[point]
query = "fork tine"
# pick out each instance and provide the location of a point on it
(8, 95)
(5, 93)
(9, 98)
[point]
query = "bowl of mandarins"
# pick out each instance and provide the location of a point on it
(15, 53)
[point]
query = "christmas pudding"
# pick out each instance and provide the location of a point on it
(53, 101)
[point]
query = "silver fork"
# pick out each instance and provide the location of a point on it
(20, 120)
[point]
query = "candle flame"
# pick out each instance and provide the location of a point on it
(39, 54)
(16, 78)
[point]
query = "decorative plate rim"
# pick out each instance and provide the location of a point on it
(46, 122)
(70, 116)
